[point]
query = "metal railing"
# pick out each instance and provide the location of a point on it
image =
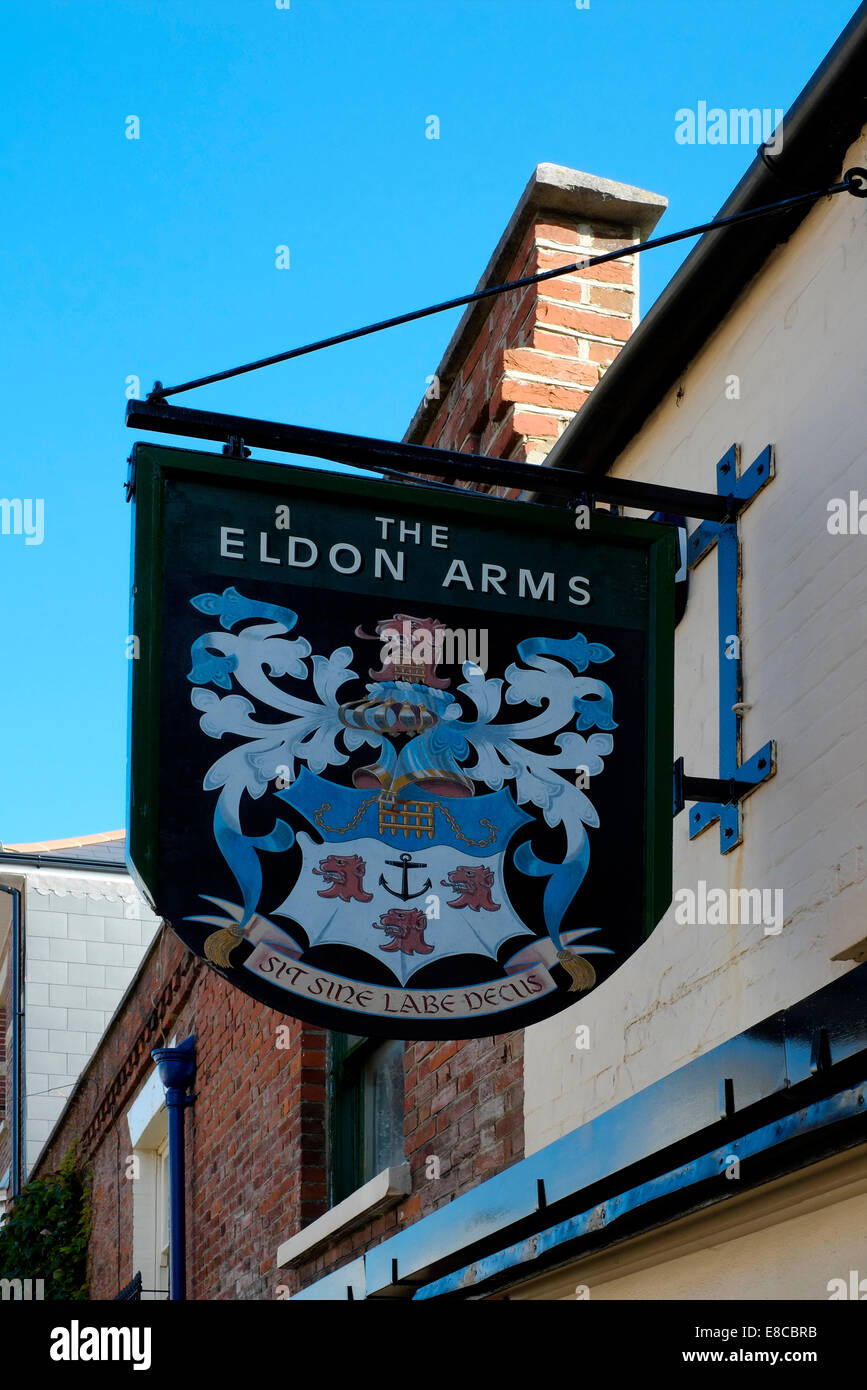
(132, 1290)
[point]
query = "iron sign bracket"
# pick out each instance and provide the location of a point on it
(718, 799)
(235, 448)
(721, 791)
(400, 460)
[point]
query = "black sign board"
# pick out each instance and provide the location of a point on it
(401, 757)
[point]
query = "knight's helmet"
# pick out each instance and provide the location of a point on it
(407, 700)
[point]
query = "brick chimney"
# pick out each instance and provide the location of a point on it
(521, 364)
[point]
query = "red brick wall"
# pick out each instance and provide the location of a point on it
(464, 1106)
(258, 1151)
(541, 350)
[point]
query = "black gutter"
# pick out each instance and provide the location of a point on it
(51, 861)
(824, 120)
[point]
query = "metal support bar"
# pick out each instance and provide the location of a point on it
(853, 181)
(718, 799)
(718, 790)
(381, 454)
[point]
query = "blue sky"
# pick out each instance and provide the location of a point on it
(302, 126)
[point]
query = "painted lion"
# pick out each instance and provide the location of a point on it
(473, 886)
(345, 877)
(406, 927)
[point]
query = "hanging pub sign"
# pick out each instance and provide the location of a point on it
(401, 757)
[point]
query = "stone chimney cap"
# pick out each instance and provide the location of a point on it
(558, 189)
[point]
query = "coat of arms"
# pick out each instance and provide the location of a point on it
(411, 812)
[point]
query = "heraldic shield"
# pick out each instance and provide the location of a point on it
(428, 874)
(400, 902)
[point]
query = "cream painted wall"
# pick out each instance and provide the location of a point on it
(797, 341)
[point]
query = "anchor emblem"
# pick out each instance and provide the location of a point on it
(405, 864)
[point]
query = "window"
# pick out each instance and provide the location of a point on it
(366, 1093)
(147, 1167)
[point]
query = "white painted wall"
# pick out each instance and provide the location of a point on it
(85, 936)
(797, 339)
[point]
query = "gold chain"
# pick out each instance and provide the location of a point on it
(319, 816)
(488, 825)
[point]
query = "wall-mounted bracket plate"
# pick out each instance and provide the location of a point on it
(718, 799)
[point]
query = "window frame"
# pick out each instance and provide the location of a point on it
(346, 1058)
(162, 1197)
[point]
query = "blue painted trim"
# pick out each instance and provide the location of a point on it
(177, 1069)
(756, 1068)
(726, 538)
(709, 1167)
